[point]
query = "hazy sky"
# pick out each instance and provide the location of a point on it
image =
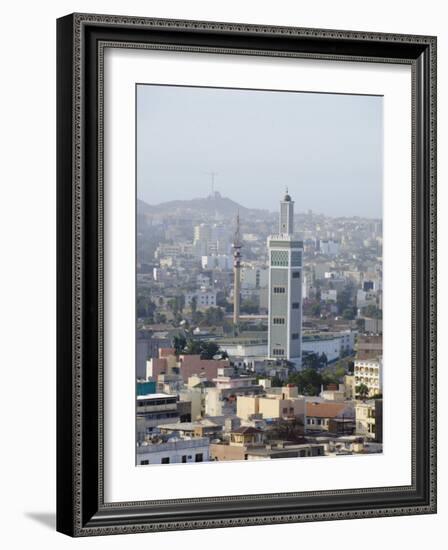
(326, 148)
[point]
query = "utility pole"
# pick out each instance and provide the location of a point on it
(237, 245)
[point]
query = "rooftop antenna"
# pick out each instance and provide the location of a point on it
(212, 175)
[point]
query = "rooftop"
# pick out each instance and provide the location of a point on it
(324, 410)
(247, 430)
(155, 396)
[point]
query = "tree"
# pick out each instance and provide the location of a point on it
(197, 317)
(348, 314)
(145, 307)
(160, 318)
(372, 312)
(193, 347)
(311, 361)
(308, 381)
(179, 343)
(276, 381)
(207, 350)
(344, 299)
(249, 306)
(194, 305)
(362, 391)
(214, 316)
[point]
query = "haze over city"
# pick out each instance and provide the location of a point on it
(326, 148)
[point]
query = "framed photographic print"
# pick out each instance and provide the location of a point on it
(246, 274)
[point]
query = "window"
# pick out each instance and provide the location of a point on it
(165, 460)
(295, 305)
(295, 335)
(198, 457)
(144, 462)
(285, 410)
(279, 258)
(278, 320)
(296, 275)
(184, 458)
(278, 351)
(296, 258)
(279, 290)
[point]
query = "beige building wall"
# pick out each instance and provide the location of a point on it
(195, 397)
(247, 405)
(278, 408)
(350, 384)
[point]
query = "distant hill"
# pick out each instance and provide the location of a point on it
(212, 206)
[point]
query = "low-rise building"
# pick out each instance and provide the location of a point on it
(202, 428)
(154, 409)
(173, 451)
(205, 298)
(285, 451)
(369, 419)
(284, 404)
(370, 373)
(338, 418)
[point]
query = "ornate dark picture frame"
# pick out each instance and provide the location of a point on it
(81, 509)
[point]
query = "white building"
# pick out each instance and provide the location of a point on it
(203, 280)
(174, 451)
(217, 261)
(285, 289)
(334, 345)
(370, 373)
(205, 298)
(307, 285)
(211, 239)
(366, 298)
(154, 409)
(329, 247)
(330, 295)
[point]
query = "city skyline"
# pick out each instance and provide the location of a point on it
(258, 334)
(326, 148)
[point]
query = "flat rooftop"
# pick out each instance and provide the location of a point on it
(155, 396)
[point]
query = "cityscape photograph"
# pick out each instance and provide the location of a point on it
(259, 275)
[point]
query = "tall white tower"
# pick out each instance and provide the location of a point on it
(285, 289)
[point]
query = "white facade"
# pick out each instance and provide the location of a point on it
(217, 261)
(333, 345)
(285, 289)
(330, 295)
(211, 239)
(366, 298)
(370, 373)
(176, 451)
(205, 298)
(329, 247)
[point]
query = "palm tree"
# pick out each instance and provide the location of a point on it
(362, 391)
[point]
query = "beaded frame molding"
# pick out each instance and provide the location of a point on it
(81, 40)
